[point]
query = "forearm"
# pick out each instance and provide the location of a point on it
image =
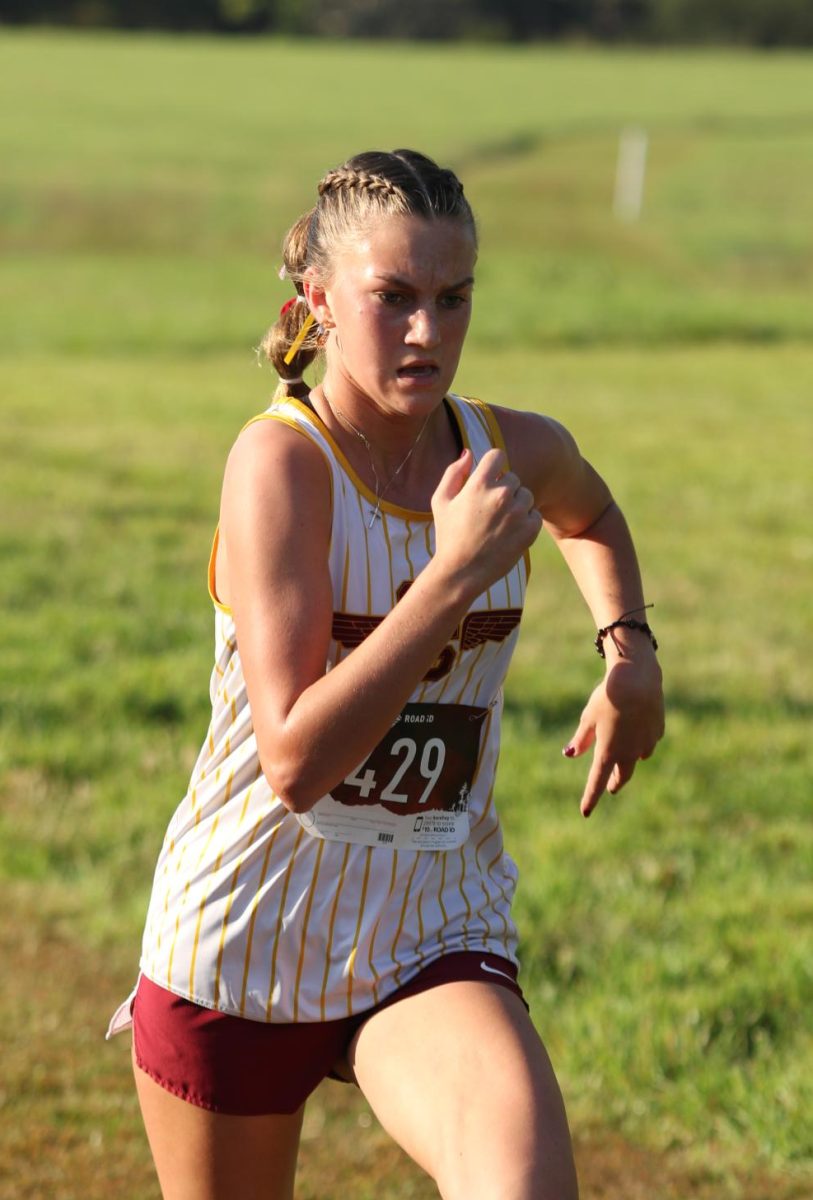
(336, 721)
(604, 564)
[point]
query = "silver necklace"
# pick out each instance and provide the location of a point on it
(380, 492)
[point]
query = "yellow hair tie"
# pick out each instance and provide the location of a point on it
(299, 339)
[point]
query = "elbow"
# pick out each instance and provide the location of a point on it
(287, 781)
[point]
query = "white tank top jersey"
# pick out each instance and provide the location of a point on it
(264, 914)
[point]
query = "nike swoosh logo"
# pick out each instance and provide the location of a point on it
(493, 971)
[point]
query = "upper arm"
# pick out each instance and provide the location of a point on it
(569, 493)
(275, 522)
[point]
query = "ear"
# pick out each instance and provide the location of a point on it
(318, 302)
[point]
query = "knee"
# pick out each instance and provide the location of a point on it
(515, 1172)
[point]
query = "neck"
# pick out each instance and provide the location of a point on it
(385, 469)
(385, 437)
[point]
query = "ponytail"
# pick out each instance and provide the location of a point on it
(293, 316)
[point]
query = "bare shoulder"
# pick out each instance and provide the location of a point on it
(539, 448)
(275, 508)
(569, 494)
(275, 467)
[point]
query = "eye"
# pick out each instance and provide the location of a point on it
(390, 298)
(453, 301)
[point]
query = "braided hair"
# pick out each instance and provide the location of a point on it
(369, 185)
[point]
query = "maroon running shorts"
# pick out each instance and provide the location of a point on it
(232, 1065)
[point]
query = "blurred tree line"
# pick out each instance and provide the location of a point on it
(755, 22)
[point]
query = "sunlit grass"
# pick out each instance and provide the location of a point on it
(147, 182)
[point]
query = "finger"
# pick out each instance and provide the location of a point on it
(454, 477)
(525, 499)
(535, 517)
(622, 773)
(492, 466)
(509, 482)
(582, 739)
(597, 780)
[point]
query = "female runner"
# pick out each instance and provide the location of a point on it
(332, 896)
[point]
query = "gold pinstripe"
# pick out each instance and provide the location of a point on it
(489, 868)
(461, 889)
(352, 957)
(476, 656)
(331, 928)
(489, 833)
(306, 922)
(366, 555)
(233, 885)
(187, 886)
(476, 695)
(507, 582)
(374, 934)
(486, 811)
(441, 889)
(205, 895)
(447, 678)
(230, 901)
(166, 914)
(280, 914)
(253, 918)
(186, 891)
(386, 532)
(201, 909)
(482, 911)
(346, 576)
(406, 550)
(400, 928)
(421, 935)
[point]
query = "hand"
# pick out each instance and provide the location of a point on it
(624, 720)
(484, 518)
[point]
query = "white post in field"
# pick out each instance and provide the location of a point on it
(630, 173)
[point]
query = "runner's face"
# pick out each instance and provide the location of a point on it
(400, 301)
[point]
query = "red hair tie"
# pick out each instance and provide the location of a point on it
(288, 305)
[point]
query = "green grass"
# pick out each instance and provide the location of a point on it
(667, 942)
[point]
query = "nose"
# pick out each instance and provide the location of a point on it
(423, 328)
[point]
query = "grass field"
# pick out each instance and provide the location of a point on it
(667, 943)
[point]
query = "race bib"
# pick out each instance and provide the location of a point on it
(412, 791)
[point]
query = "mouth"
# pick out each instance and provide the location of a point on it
(418, 370)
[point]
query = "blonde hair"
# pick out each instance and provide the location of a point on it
(367, 186)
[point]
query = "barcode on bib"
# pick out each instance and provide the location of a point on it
(386, 837)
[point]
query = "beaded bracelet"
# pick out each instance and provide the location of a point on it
(628, 622)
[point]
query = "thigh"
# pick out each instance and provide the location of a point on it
(204, 1155)
(459, 1077)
